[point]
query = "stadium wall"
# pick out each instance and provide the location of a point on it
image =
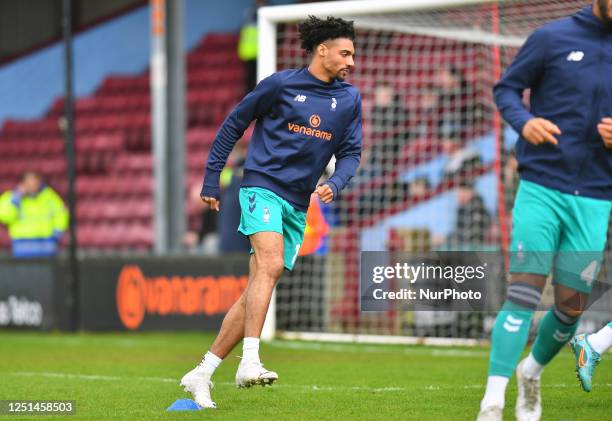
(33, 295)
(136, 294)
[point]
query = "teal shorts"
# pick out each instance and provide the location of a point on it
(559, 232)
(265, 211)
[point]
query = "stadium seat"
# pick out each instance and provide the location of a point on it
(5, 241)
(113, 144)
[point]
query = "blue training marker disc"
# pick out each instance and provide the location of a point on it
(184, 405)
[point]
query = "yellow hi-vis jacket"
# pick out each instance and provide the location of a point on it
(34, 223)
(247, 44)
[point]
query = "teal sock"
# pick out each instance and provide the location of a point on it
(553, 334)
(509, 337)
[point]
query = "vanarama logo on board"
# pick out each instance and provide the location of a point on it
(138, 296)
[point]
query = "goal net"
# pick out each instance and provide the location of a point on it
(438, 169)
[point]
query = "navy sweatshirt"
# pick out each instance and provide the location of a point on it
(301, 122)
(568, 66)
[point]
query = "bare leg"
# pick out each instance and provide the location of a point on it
(197, 381)
(269, 259)
(569, 301)
(232, 328)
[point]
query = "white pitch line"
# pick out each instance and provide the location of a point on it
(158, 379)
(90, 377)
(306, 388)
(170, 380)
(66, 376)
(377, 349)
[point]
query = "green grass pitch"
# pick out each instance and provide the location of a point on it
(134, 376)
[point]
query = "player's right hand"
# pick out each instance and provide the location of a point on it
(212, 202)
(539, 130)
(605, 130)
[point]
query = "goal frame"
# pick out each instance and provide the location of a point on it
(268, 19)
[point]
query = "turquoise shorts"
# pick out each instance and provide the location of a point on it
(559, 232)
(265, 211)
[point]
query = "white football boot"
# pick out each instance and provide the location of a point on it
(528, 401)
(252, 372)
(198, 383)
(491, 413)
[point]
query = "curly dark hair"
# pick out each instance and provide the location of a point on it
(314, 31)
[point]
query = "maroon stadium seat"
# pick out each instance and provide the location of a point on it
(113, 145)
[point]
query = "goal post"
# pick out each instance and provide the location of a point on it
(425, 69)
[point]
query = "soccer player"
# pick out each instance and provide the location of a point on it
(304, 117)
(588, 350)
(564, 197)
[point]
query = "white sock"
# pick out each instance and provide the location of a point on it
(210, 362)
(602, 340)
(250, 349)
(531, 368)
(495, 392)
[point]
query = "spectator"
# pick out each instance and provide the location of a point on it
(217, 233)
(388, 131)
(392, 193)
(452, 109)
(510, 177)
(202, 232)
(230, 240)
(388, 113)
(454, 118)
(35, 216)
(460, 162)
(472, 221)
(419, 188)
(248, 45)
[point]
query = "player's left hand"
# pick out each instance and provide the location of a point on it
(325, 193)
(605, 130)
